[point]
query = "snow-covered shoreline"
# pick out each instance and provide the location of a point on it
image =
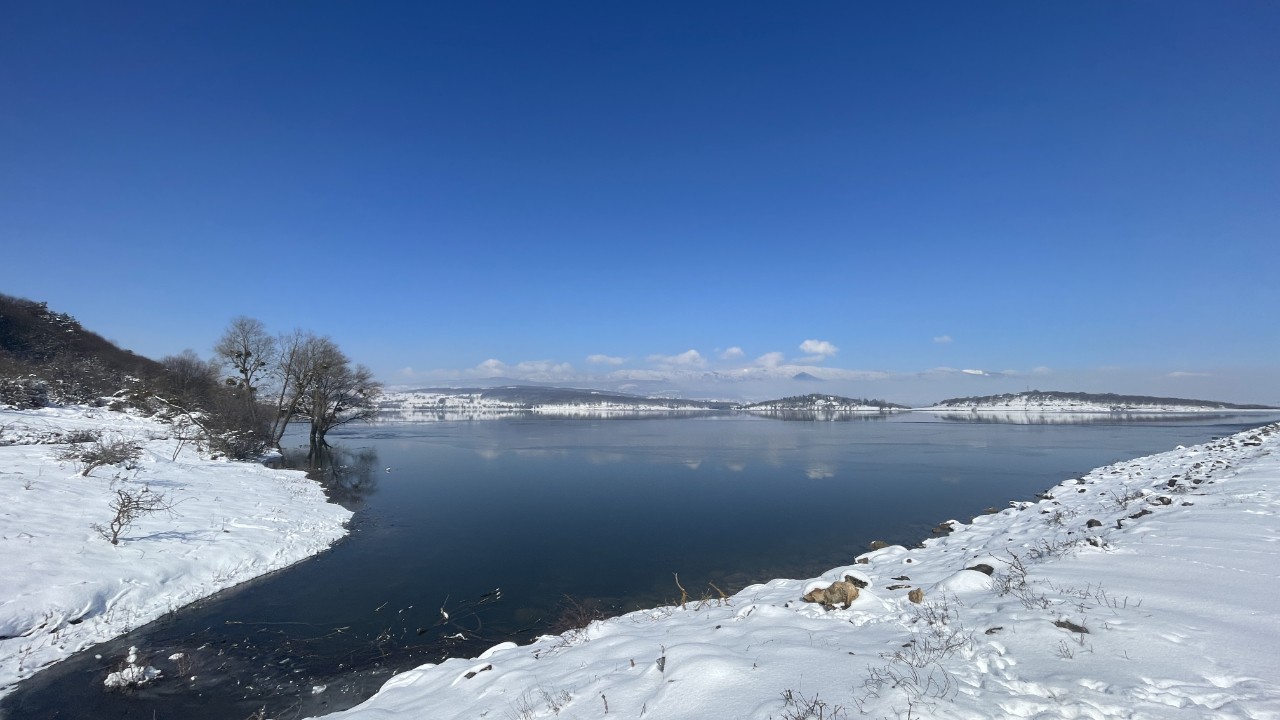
(1144, 589)
(66, 588)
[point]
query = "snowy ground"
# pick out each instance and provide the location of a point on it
(1145, 589)
(63, 587)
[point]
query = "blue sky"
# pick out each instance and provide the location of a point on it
(1075, 196)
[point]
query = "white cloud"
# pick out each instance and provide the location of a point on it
(975, 372)
(542, 370)
(942, 339)
(732, 353)
(605, 360)
(770, 360)
(1185, 374)
(407, 372)
(821, 349)
(686, 359)
(1042, 370)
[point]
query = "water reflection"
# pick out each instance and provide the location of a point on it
(819, 472)
(820, 415)
(349, 475)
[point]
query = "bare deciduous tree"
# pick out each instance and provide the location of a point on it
(305, 376)
(292, 375)
(250, 352)
(187, 379)
(337, 393)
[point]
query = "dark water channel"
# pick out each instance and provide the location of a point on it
(495, 522)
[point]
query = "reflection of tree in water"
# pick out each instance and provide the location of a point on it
(348, 475)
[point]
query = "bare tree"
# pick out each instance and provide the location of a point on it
(305, 376)
(250, 353)
(293, 375)
(338, 393)
(187, 380)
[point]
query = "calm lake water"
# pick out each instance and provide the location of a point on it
(496, 522)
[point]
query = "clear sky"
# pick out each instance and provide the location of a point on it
(1069, 195)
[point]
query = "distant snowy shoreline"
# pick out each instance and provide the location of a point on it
(1093, 408)
(1143, 589)
(464, 405)
(66, 588)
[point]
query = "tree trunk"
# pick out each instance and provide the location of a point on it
(318, 443)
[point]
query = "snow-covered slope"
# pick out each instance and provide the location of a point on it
(1145, 589)
(489, 403)
(819, 403)
(1052, 401)
(64, 587)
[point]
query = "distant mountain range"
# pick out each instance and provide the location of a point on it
(1055, 401)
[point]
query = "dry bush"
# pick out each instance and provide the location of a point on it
(92, 455)
(795, 706)
(130, 505)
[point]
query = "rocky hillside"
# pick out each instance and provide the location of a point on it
(46, 356)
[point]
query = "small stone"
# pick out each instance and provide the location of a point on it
(1068, 625)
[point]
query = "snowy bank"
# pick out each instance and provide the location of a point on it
(1145, 589)
(65, 587)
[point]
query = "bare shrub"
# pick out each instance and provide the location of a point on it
(795, 706)
(916, 669)
(574, 616)
(1014, 582)
(1122, 500)
(130, 505)
(83, 435)
(92, 455)
(1046, 548)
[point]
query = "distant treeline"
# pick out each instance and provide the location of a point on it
(1108, 399)
(239, 402)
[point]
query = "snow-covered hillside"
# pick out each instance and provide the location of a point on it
(819, 403)
(1051, 401)
(1144, 589)
(64, 587)
(490, 403)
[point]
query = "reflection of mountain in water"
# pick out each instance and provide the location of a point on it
(1070, 418)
